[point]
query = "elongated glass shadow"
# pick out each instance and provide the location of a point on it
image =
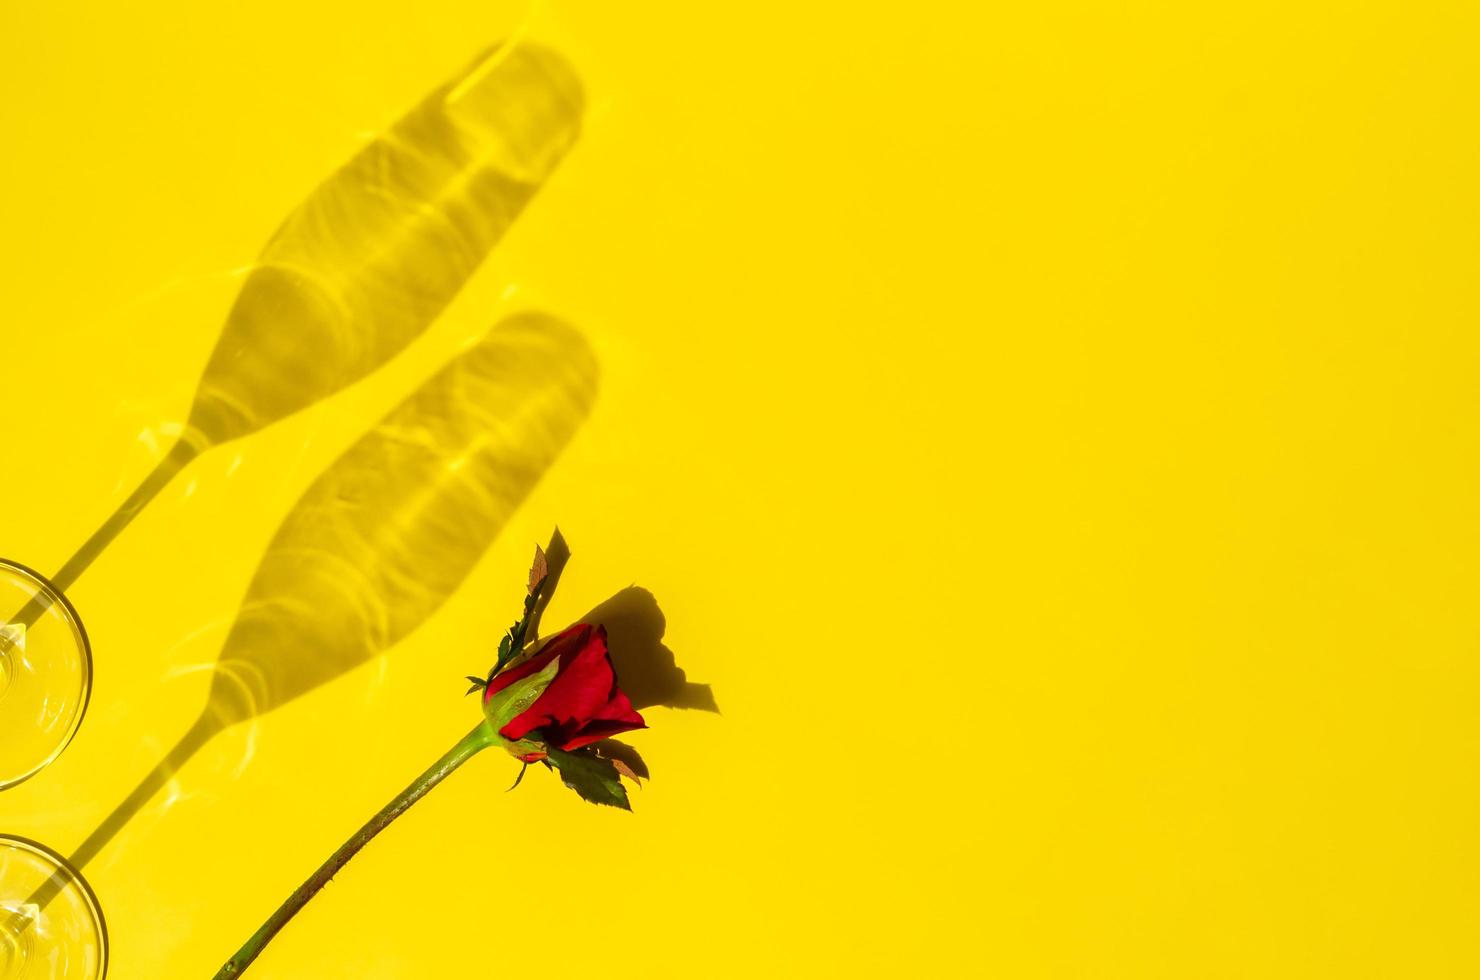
(367, 262)
(389, 531)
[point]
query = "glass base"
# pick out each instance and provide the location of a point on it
(45, 673)
(51, 927)
(17, 940)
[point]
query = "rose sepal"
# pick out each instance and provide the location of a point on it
(504, 706)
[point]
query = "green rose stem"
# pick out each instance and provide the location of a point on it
(471, 744)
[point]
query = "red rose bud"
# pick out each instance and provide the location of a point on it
(575, 698)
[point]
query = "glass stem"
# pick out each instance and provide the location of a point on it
(471, 744)
(181, 453)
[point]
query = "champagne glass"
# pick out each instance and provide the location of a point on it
(45, 674)
(64, 939)
(358, 270)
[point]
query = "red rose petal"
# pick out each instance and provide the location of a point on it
(582, 704)
(569, 641)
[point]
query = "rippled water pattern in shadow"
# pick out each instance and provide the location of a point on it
(371, 258)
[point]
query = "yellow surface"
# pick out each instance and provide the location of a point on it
(1051, 430)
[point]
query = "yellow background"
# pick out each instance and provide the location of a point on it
(1051, 429)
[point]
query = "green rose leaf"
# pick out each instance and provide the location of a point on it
(539, 571)
(593, 778)
(624, 757)
(515, 699)
(512, 644)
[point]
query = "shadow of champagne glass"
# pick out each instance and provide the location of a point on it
(381, 539)
(367, 262)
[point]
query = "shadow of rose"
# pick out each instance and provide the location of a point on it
(646, 669)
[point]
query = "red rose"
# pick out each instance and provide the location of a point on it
(581, 705)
